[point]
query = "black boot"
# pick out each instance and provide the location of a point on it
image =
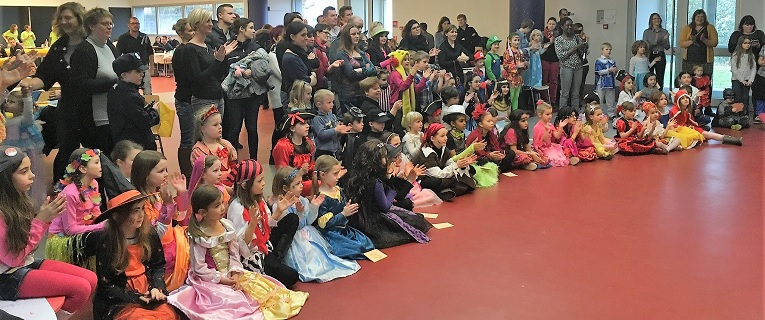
(733, 140)
(184, 162)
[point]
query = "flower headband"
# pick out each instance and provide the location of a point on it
(84, 158)
(213, 110)
(480, 109)
(540, 102)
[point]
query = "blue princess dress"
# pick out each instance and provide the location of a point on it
(311, 255)
(347, 242)
(533, 75)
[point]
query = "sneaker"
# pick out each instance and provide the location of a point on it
(573, 161)
(658, 150)
(736, 127)
(447, 194)
(530, 166)
(759, 119)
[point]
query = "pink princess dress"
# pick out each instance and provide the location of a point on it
(546, 147)
(205, 298)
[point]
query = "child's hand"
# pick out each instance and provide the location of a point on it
(418, 170)
(479, 144)
(657, 59)
(285, 202)
(396, 106)
(613, 69)
(166, 193)
(342, 128)
(465, 162)
(26, 91)
(563, 123)
(638, 94)
(496, 155)
(178, 181)
(51, 209)
(535, 156)
(299, 205)
(428, 73)
(156, 295)
(671, 124)
(469, 96)
(633, 125)
(350, 209)
(434, 52)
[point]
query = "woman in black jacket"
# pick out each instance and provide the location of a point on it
(453, 55)
(92, 78)
(378, 49)
(412, 38)
(130, 263)
(243, 108)
(68, 24)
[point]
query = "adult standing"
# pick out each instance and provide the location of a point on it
(345, 15)
(440, 36)
(453, 55)
(658, 41)
(429, 37)
(523, 32)
(135, 41)
(335, 45)
(246, 106)
(55, 68)
(412, 38)
(355, 67)
(747, 28)
(467, 37)
(330, 19)
(28, 37)
(569, 49)
(12, 32)
(550, 62)
(563, 13)
(183, 99)
(221, 33)
(294, 66)
(93, 77)
(320, 50)
(699, 38)
(201, 68)
(378, 49)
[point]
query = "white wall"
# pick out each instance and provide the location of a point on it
(487, 17)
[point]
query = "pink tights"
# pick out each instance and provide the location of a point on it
(55, 278)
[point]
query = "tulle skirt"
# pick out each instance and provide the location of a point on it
(689, 137)
(486, 175)
(311, 255)
(423, 197)
(555, 153)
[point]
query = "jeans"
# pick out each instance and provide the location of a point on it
(607, 100)
(742, 94)
(550, 72)
(570, 81)
(759, 107)
(246, 109)
(186, 122)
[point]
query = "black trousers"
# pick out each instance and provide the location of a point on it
(281, 238)
(247, 110)
(278, 115)
(658, 68)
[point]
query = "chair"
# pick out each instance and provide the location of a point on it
(535, 94)
(154, 129)
(159, 60)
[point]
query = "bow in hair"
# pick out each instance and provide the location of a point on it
(480, 109)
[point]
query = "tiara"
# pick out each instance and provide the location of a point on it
(213, 110)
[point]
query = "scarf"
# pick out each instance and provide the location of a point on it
(407, 95)
(263, 231)
(414, 43)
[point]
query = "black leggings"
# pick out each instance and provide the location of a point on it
(281, 238)
(658, 68)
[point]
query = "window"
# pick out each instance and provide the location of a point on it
(148, 18)
(239, 8)
(207, 6)
(167, 16)
(314, 8)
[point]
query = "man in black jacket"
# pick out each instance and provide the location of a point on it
(129, 116)
(135, 41)
(220, 32)
(466, 35)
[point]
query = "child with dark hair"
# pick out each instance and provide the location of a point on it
(630, 137)
(380, 216)
(296, 149)
(515, 137)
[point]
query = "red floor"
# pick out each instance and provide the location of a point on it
(651, 237)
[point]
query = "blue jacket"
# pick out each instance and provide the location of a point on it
(603, 77)
(325, 136)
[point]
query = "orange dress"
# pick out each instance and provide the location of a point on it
(174, 243)
(137, 281)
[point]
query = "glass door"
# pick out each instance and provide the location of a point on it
(667, 9)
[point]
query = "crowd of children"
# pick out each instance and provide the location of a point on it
(346, 182)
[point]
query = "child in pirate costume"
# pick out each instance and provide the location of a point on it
(446, 174)
(296, 149)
